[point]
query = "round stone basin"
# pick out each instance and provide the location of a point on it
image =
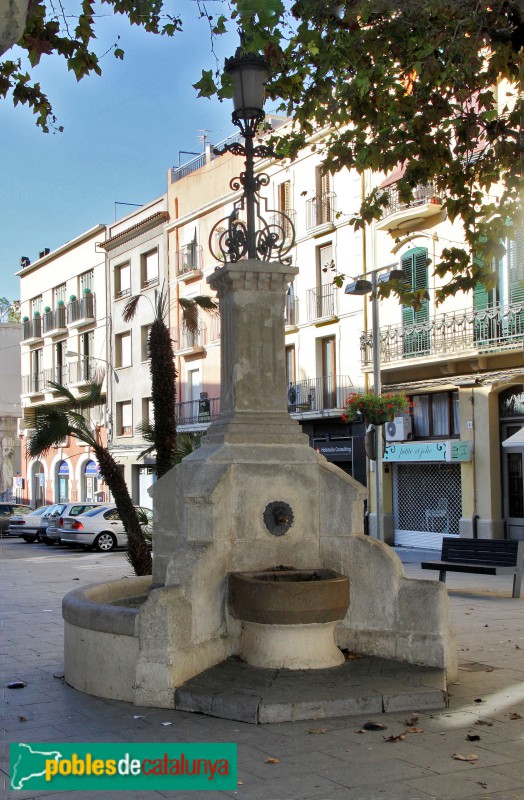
(288, 596)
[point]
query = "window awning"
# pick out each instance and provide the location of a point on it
(516, 441)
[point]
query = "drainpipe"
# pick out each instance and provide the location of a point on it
(177, 294)
(364, 269)
(474, 471)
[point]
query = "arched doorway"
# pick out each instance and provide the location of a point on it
(511, 413)
(90, 482)
(38, 485)
(62, 484)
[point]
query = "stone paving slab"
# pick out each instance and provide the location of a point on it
(367, 685)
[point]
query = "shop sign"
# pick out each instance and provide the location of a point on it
(204, 411)
(91, 468)
(452, 451)
(63, 468)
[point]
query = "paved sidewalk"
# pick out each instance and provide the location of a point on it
(339, 763)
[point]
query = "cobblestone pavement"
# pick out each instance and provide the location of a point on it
(331, 761)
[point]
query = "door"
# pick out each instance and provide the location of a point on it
(513, 479)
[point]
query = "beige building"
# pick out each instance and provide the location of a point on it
(11, 481)
(64, 318)
(136, 264)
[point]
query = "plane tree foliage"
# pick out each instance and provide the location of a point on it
(416, 83)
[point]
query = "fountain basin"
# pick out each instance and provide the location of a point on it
(289, 616)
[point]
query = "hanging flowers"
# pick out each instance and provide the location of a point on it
(375, 410)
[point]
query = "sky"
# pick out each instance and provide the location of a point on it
(122, 132)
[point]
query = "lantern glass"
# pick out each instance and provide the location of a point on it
(249, 89)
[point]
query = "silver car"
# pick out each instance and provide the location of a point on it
(53, 534)
(102, 528)
(30, 527)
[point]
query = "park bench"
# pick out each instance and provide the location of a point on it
(483, 556)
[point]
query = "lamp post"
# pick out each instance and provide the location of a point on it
(251, 236)
(361, 286)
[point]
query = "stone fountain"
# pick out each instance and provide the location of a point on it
(252, 526)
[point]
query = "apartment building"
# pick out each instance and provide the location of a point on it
(11, 485)
(64, 340)
(136, 264)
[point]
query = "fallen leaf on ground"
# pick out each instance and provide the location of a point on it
(272, 760)
(317, 730)
(479, 700)
(415, 730)
(412, 720)
(361, 731)
(470, 757)
(483, 722)
(400, 737)
(240, 783)
(489, 669)
(22, 719)
(473, 737)
(483, 784)
(515, 715)
(59, 676)
(374, 726)
(353, 656)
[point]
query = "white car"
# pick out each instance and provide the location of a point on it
(30, 527)
(102, 529)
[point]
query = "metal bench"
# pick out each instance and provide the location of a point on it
(483, 556)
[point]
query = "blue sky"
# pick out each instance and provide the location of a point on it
(122, 132)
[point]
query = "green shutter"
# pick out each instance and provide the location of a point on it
(415, 266)
(515, 260)
(482, 300)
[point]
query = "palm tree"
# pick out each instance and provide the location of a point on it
(72, 416)
(162, 432)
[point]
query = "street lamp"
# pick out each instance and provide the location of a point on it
(254, 237)
(360, 287)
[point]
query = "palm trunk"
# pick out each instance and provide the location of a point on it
(163, 389)
(138, 553)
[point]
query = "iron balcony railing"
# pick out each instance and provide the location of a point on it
(33, 383)
(185, 339)
(320, 209)
(55, 320)
(58, 374)
(321, 302)
(318, 394)
(189, 258)
(32, 328)
(287, 225)
(421, 195)
(82, 370)
(198, 412)
(214, 328)
(492, 329)
(81, 309)
(291, 311)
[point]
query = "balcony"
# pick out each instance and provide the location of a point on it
(82, 371)
(197, 414)
(189, 261)
(189, 343)
(426, 203)
(492, 330)
(214, 328)
(319, 396)
(321, 304)
(54, 322)
(291, 316)
(32, 330)
(56, 375)
(33, 384)
(320, 214)
(81, 312)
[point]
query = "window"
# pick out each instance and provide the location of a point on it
(36, 305)
(123, 355)
(60, 360)
(149, 268)
(144, 342)
(87, 346)
(124, 418)
(290, 364)
(329, 378)
(193, 384)
(59, 294)
(148, 411)
(123, 280)
(36, 379)
(85, 281)
(436, 415)
(324, 196)
(414, 264)
(284, 205)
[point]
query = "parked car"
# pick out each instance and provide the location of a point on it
(6, 512)
(29, 526)
(53, 534)
(102, 528)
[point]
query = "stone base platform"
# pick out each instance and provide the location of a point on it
(362, 685)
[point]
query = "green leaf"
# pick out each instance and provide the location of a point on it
(206, 86)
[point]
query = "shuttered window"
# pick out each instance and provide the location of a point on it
(515, 259)
(414, 264)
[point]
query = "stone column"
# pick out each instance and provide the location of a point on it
(253, 379)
